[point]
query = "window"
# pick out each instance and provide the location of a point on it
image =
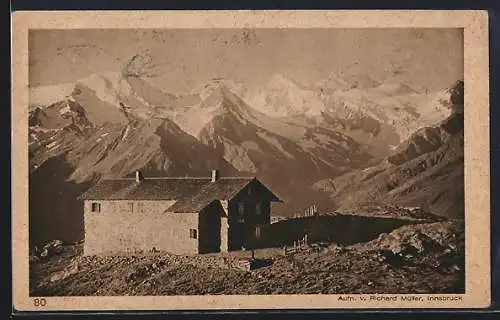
(131, 206)
(96, 207)
(258, 208)
(257, 231)
(241, 211)
(193, 233)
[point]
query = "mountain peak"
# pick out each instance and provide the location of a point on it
(278, 81)
(102, 82)
(216, 84)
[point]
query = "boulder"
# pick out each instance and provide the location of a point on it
(51, 248)
(61, 275)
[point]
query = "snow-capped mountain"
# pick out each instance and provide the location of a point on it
(385, 115)
(281, 97)
(330, 131)
(399, 115)
(380, 115)
(361, 108)
(251, 140)
(427, 169)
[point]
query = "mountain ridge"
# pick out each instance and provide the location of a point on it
(425, 170)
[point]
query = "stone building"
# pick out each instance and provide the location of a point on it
(178, 215)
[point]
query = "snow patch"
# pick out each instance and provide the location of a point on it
(251, 145)
(274, 142)
(125, 134)
(281, 97)
(65, 110)
(405, 113)
(52, 145)
(237, 157)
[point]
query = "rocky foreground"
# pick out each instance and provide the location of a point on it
(421, 258)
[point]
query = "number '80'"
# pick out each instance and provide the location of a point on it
(39, 302)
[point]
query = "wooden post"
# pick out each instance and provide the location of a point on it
(305, 239)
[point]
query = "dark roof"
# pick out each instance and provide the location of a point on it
(191, 194)
(222, 189)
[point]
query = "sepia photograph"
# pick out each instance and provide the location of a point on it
(246, 161)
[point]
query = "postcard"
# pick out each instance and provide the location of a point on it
(226, 160)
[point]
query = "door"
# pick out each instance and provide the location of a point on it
(236, 236)
(210, 228)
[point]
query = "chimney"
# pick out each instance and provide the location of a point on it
(215, 175)
(138, 176)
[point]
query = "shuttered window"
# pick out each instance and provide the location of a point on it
(96, 207)
(193, 233)
(257, 232)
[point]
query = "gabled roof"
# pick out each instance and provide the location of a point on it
(191, 194)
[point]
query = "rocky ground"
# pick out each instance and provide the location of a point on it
(422, 258)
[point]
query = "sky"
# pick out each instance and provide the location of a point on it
(179, 60)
